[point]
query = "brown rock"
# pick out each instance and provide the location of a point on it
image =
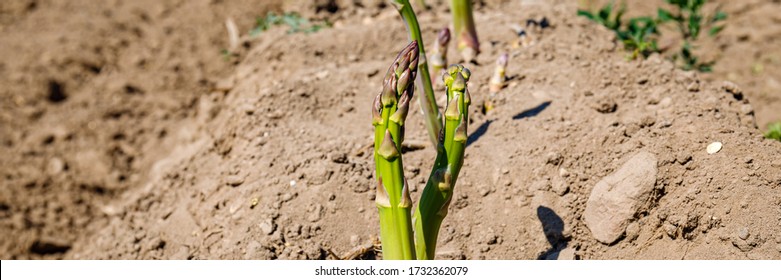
(616, 198)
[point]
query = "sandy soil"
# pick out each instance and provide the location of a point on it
(126, 134)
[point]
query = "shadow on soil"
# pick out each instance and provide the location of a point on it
(532, 112)
(478, 133)
(483, 128)
(552, 226)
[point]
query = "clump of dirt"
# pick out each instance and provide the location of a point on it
(274, 160)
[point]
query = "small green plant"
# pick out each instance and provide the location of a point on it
(638, 36)
(641, 33)
(291, 19)
(690, 21)
(389, 111)
(606, 16)
(773, 131)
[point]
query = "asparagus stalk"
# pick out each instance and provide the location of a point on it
(464, 29)
(438, 193)
(439, 55)
(389, 111)
(427, 103)
(497, 80)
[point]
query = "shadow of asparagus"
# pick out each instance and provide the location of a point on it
(478, 133)
(532, 112)
(552, 226)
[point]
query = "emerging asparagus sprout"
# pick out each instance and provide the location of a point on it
(428, 103)
(464, 29)
(389, 110)
(497, 81)
(438, 193)
(439, 55)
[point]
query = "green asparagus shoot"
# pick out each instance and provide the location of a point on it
(389, 111)
(428, 103)
(464, 29)
(438, 193)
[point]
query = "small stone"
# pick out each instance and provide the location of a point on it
(693, 86)
(671, 230)
(632, 231)
(748, 159)
(56, 165)
(563, 172)
(747, 109)
(778, 247)
(505, 170)
(553, 158)
(605, 106)
(742, 245)
(286, 197)
(484, 191)
(292, 183)
(743, 233)
(714, 147)
(267, 227)
(234, 180)
(567, 254)
(339, 157)
(560, 188)
(734, 89)
(254, 202)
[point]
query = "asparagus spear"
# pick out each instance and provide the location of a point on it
(438, 193)
(497, 80)
(439, 55)
(428, 103)
(464, 29)
(389, 111)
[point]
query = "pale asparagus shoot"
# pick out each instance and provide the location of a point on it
(497, 81)
(439, 55)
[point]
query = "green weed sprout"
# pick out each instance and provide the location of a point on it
(690, 21)
(640, 34)
(637, 37)
(291, 19)
(389, 111)
(773, 131)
